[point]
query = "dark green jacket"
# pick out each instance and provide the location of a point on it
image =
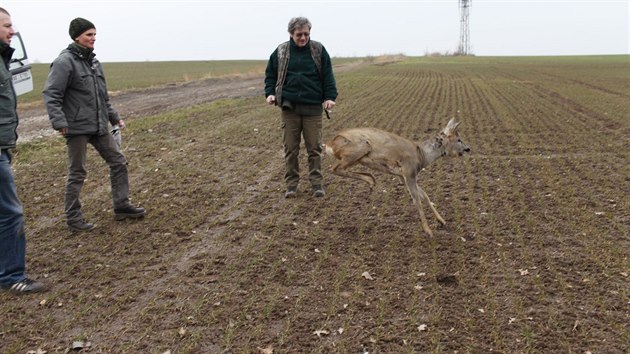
(8, 102)
(75, 94)
(303, 84)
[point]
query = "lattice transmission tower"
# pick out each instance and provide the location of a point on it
(464, 30)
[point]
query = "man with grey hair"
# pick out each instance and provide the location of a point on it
(298, 79)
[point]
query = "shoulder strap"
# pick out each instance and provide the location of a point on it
(316, 52)
(283, 63)
(283, 57)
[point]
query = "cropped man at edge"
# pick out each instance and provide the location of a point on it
(78, 106)
(299, 78)
(12, 236)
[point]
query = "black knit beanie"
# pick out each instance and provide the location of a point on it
(78, 26)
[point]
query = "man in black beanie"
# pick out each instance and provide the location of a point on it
(78, 26)
(78, 106)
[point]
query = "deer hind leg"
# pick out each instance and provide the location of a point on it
(340, 170)
(417, 194)
(349, 154)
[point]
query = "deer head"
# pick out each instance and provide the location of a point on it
(454, 146)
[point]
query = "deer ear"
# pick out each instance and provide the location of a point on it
(455, 128)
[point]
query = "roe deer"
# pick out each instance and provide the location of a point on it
(393, 154)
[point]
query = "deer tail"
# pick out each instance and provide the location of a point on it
(327, 150)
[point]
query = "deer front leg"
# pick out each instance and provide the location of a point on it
(435, 212)
(412, 187)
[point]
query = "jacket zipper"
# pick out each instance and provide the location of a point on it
(98, 120)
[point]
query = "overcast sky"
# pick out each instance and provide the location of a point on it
(136, 30)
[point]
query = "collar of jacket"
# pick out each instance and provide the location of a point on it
(6, 52)
(82, 52)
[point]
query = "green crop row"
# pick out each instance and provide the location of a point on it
(533, 259)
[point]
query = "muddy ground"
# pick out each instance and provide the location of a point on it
(534, 257)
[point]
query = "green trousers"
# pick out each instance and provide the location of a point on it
(294, 126)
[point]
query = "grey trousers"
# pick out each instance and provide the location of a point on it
(109, 151)
(294, 125)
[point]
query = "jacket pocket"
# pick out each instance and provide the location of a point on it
(7, 111)
(5, 77)
(8, 135)
(87, 81)
(7, 98)
(76, 116)
(72, 107)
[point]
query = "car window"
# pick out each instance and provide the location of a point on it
(16, 43)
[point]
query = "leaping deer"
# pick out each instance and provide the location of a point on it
(393, 154)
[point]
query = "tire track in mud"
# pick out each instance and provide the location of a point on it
(131, 104)
(549, 111)
(137, 104)
(584, 115)
(524, 117)
(586, 84)
(209, 245)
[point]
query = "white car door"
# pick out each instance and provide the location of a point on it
(20, 68)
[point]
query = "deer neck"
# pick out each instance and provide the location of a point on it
(432, 150)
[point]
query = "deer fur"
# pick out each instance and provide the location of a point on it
(387, 152)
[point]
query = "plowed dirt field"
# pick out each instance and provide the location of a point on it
(533, 258)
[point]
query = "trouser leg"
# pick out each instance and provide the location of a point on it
(312, 128)
(292, 130)
(12, 237)
(77, 148)
(119, 178)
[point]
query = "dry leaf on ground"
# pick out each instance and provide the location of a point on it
(367, 276)
(320, 333)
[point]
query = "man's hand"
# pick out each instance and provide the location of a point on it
(63, 131)
(329, 104)
(271, 99)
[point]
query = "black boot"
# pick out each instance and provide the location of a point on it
(129, 212)
(80, 225)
